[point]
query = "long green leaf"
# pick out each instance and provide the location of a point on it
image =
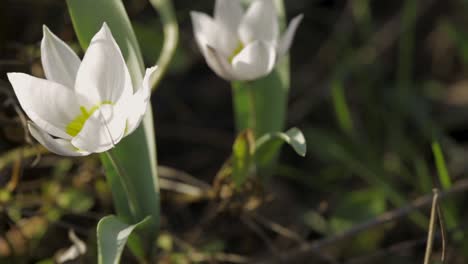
(112, 235)
(171, 37)
(340, 105)
(136, 154)
(442, 170)
(449, 208)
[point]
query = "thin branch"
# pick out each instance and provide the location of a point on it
(217, 257)
(443, 233)
(175, 174)
(432, 226)
(390, 216)
(196, 255)
(393, 250)
(261, 234)
(15, 175)
(277, 228)
(180, 187)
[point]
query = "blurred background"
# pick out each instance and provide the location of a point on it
(374, 85)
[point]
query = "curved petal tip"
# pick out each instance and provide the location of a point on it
(55, 145)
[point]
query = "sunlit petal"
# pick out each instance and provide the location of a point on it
(229, 13)
(137, 104)
(59, 61)
(208, 32)
(103, 75)
(287, 38)
(50, 105)
(260, 23)
(255, 61)
(56, 145)
(219, 64)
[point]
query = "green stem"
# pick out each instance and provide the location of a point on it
(245, 108)
(253, 112)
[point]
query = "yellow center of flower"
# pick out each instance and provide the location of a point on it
(75, 126)
(236, 51)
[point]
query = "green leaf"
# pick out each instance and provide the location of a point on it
(444, 176)
(293, 137)
(112, 235)
(340, 106)
(171, 37)
(268, 146)
(243, 157)
(136, 154)
(450, 208)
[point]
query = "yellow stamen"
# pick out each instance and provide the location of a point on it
(75, 126)
(236, 51)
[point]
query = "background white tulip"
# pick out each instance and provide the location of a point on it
(240, 45)
(84, 106)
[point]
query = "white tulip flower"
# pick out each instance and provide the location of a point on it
(240, 45)
(84, 106)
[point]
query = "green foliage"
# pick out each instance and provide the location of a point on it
(444, 177)
(341, 108)
(449, 208)
(249, 154)
(332, 147)
(112, 235)
(356, 207)
(268, 145)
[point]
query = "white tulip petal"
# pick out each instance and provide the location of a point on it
(50, 105)
(56, 145)
(137, 105)
(209, 32)
(219, 64)
(59, 61)
(103, 75)
(102, 131)
(287, 38)
(229, 13)
(204, 28)
(254, 61)
(260, 23)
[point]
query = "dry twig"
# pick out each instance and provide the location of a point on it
(432, 226)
